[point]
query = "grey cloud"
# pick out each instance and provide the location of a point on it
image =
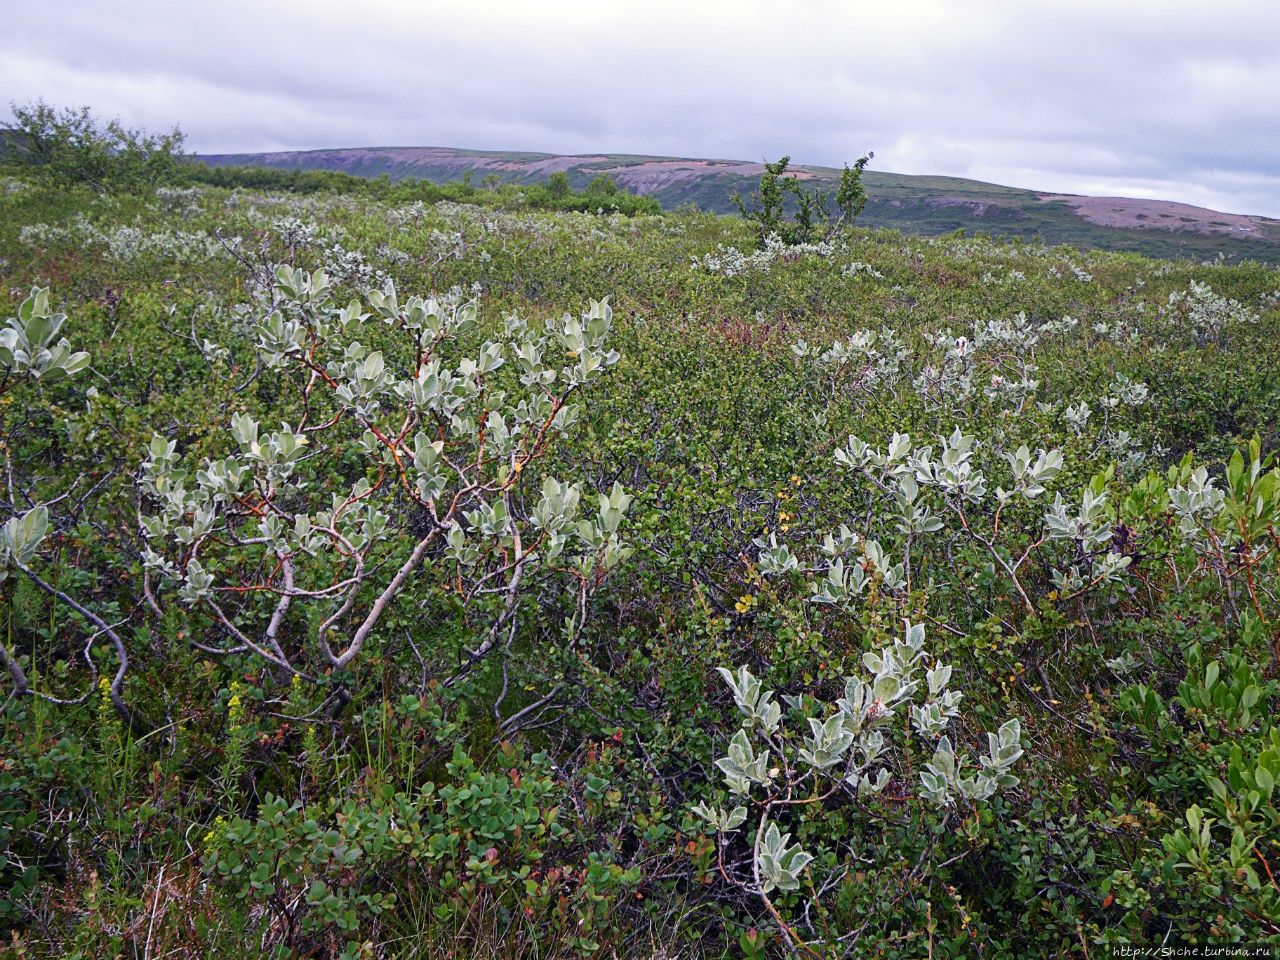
(1173, 99)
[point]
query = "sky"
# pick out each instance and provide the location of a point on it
(1171, 100)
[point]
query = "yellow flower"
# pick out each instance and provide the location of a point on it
(214, 836)
(235, 708)
(107, 717)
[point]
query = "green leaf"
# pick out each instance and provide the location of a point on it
(1263, 778)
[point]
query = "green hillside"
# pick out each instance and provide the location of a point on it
(928, 205)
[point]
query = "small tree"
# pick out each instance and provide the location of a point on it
(814, 218)
(558, 185)
(767, 200)
(851, 196)
(71, 147)
(602, 185)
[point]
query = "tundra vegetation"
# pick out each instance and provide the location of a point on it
(393, 577)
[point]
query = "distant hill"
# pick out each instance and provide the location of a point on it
(916, 204)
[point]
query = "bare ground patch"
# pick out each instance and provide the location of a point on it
(1130, 213)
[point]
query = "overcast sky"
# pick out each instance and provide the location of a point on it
(1170, 99)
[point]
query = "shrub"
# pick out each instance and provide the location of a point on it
(70, 147)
